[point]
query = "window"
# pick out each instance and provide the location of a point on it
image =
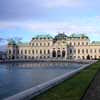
(21, 51)
(48, 56)
(48, 51)
(36, 44)
(40, 44)
(86, 50)
(95, 50)
(63, 53)
(95, 57)
(44, 44)
(25, 57)
(33, 51)
(40, 51)
(25, 51)
(79, 57)
(13, 51)
(17, 51)
(78, 43)
(9, 51)
(70, 51)
(74, 51)
(78, 51)
(83, 57)
(32, 44)
(86, 43)
(48, 44)
(74, 44)
(90, 50)
(36, 51)
(70, 44)
(44, 52)
(29, 51)
(83, 51)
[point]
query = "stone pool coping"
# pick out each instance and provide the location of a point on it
(50, 60)
(34, 91)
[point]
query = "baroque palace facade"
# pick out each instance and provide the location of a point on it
(75, 46)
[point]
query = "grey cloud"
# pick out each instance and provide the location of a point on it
(21, 9)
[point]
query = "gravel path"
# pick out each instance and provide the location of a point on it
(93, 93)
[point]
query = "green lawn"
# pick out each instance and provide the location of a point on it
(73, 88)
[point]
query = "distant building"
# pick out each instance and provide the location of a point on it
(75, 46)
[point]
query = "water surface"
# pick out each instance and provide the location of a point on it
(16, 77)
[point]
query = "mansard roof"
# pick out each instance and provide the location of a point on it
(60, 36)
(78, 36)
(43, 37)
(22, 44)
(95, 43)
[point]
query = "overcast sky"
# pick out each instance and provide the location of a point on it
(27, 18)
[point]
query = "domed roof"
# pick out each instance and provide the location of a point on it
(43, 37)
(11, 42)
(60, 36)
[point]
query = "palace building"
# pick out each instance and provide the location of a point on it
(75, 46)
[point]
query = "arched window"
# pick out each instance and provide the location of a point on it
(74, 43)
(70, 44)
(48, 51)
(21, 51)
(40, 51)
(40, 57)
(44, 44)
(32, 44)
(25, 57)
(95, 50)
(86, 50)
(74, 51)
(86, 43)
(25, 51)
(29, 51)
(53, 53)
(70, 51)
(99, 50)
(36, 51)
(78, 51)
(9, 51)
(33, 51)
(82, 43)
(83, 57)
(44, 52)
(58, 53)
(40, 44)
(32, 57)
(63, 53)
(48, 44)
(83, 51)
(90, 50)
(78, 43)
(36, 44)
(14, 51)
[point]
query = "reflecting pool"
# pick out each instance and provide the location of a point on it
(16, 77)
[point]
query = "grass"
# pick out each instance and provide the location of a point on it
(72, 89)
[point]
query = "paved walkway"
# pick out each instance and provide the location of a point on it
(93, 92)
